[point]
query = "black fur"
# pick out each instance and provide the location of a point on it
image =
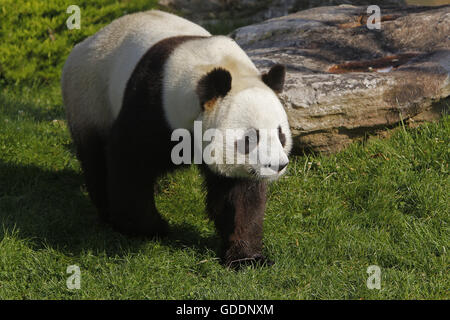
(215, 84)
(281, 136)
(237, 208)
(121, 170)
(140, 145)
(91, 153)
(274, 79)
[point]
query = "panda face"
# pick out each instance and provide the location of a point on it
(256, 139)
(252, 137)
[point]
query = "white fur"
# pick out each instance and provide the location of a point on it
(191, 61)
(255, 107)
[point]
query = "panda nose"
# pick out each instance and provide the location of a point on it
(279, 167)
(282, 166)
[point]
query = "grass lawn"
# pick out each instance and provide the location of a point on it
(381, 202)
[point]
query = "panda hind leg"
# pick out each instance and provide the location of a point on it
(130, 195)
(91, 153)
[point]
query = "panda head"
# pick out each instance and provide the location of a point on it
(245, 126)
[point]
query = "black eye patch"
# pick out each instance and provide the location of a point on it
(249, 142)
(281, 136)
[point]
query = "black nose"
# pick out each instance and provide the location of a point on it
(278, 168)
(282, 166)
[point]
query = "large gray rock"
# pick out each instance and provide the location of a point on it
(345, 80)
(231, 12)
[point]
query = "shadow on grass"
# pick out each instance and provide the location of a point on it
(51, 210)
(16, 103)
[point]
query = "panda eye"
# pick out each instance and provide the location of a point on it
(281, 136)
(248, 142)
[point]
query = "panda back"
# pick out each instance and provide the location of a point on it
(144, 31)
(101, 65)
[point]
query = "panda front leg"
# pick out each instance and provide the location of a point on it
(130, 189)
(237, 207)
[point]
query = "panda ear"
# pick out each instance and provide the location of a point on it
(213, 85)
(274, 79)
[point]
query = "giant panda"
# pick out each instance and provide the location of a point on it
(130, 85)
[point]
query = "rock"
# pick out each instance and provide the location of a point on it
(344, 80)
(209, 12)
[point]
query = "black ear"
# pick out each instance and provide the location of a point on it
(215, 84)
(274, 79)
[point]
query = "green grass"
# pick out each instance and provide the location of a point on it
(381, 202)
(36, 41)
